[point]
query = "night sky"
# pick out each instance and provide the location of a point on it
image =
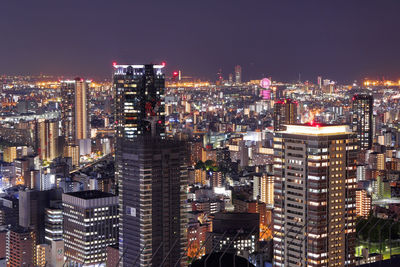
(341, 40)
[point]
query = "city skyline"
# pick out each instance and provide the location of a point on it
(344, 41)
(186, 134)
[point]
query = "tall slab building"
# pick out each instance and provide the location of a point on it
(362, 106)
(285, 112)
(152, 196)
(151, 171)
(48, 148)
(314, 205)
(75, 110)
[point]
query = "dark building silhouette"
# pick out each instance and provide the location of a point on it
(32, 209)
(152, 188)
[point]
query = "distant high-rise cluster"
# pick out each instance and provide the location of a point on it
(151, 169)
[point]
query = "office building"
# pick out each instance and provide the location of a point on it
(23, 167)
(72, 151)
(234, 232)
(152, 187)
(32, 210)
(285, 112)
(53, 225)
(9, 154)
(238, 74)
(75, 110)
(21, 247)
(90, 226)
(362, 107)
(314, 204)
(9, 211)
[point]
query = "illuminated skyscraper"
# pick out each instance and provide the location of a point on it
(363, 105)
(48, 140)
(82, 120)
(314, 205)
(139, 100)
(150, 171)
(139, 105)
(285, 112)
(238, 74)
(75, 110)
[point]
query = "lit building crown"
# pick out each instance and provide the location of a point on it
(317, 129)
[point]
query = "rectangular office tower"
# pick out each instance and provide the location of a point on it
(48, 133)
(285, 112)
(139, 100)
(90, 226)
(152, 198)
(315, 182)
(363, 105)
(75, 110)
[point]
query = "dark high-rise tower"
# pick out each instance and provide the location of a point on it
(139, 100)
(363, 105)
(285, 112)
(68, 111)
(152, 188)
(150, 171)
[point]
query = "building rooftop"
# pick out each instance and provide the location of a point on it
(90, 194)
(314, 128)
(19, 229)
